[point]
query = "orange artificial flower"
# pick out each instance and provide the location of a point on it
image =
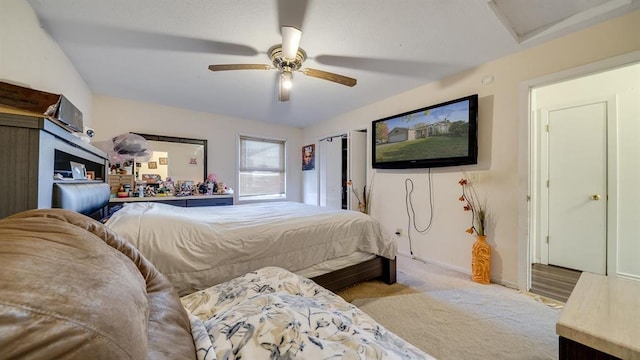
(478, 214)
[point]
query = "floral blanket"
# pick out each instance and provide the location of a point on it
(272, 313)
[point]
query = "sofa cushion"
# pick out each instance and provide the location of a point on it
(71, 288)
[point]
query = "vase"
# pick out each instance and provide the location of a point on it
(481, 261)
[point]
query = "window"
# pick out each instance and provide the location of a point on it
(262, 168)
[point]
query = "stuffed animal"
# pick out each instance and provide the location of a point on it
(211, 184)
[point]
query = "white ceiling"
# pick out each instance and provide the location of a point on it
(158, 50)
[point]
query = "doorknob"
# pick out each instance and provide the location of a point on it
(595, 197)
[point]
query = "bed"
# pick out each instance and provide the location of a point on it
(73, 288)
(273, 313)
(200, 247)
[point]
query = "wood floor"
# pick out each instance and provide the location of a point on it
(553, 281)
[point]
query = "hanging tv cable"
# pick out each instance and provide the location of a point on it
(411, 214)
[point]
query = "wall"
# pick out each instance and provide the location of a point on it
(30, 58)
(115, 116)
(624, 84)
(161, 170)
(497, 171)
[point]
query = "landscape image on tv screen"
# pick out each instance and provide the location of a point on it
(434, 136)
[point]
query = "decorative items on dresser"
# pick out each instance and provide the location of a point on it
(36, 153)
(161, 168)
(121, 180)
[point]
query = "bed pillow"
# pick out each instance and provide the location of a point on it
(71, 288)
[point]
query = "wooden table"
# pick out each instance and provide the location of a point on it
(601, 319)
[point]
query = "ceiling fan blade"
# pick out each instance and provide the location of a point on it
(225, 67)
(292, 13)
(104, 35)
(386, 66)
(340, 79)
(290, 42)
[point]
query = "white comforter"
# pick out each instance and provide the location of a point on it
(274, 314)
(200, 247)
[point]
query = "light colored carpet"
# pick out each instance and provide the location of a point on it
(374, 289)
(448, 316)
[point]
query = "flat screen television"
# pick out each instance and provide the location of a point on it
(434, 136)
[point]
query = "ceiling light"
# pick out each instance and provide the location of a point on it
(290, 42)
(285, 79)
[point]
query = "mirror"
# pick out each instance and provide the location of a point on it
(181, 159)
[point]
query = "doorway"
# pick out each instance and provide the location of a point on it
(342, 162)
(330, 171)
(573, 172)
(572, 178)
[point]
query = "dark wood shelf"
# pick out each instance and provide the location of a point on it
(32, 148)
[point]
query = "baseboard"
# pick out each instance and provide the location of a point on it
(467, 272)
(508, 284)
(441, 264)
(628, 276)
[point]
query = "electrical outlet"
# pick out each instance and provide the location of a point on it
(398, 231)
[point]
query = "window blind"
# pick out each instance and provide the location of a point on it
(262, 167)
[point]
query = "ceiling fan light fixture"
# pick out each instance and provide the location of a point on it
(285, 79)
(287, 58)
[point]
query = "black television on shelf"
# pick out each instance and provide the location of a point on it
(439, 135)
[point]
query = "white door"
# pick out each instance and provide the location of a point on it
(577, 187)
(330, 175)
(357, 166)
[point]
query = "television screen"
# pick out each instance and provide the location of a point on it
(439, 135)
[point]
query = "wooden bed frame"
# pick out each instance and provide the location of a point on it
(380, 268)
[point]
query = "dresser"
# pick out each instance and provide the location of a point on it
(32, 150)
(601, 319)
(183, 201)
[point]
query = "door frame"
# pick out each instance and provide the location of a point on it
(528, 158)
(539, 174)
(343, 133)
(321, 161)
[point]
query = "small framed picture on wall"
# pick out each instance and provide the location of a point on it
(153, 165)
(163, 161)
(308, 157)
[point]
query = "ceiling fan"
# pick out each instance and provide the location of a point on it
(288, 58)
